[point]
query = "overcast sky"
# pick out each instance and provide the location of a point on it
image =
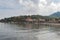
(28, 7)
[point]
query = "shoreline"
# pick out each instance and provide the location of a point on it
(50, 23)
(44, 23)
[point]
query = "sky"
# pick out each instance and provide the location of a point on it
(10, 8)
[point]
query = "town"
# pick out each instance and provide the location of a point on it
(31, 19)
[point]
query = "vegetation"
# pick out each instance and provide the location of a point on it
(35, 18)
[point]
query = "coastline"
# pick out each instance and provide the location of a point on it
(42, 23)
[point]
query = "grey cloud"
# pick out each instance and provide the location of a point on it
(26, 7)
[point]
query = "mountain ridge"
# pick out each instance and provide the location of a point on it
(56, 14)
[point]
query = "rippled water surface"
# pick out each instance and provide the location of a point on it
(28, 32)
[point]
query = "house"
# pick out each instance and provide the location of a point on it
(29, 20)
(41, 20)
(53, 21)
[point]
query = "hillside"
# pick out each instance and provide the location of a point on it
(31, 18)
(56, 14)
(21, 18)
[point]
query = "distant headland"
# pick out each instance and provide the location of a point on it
(33, 19)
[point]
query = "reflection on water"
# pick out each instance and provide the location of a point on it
(29, 32)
